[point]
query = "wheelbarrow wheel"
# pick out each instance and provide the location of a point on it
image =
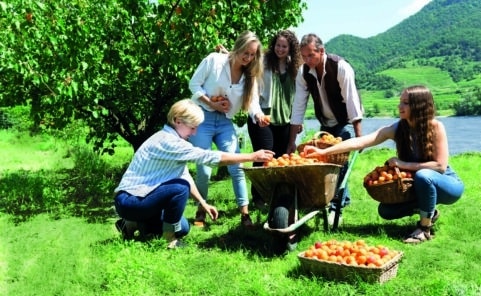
(280, 206)
(279, 220)
(281, 215)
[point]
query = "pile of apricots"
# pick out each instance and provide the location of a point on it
(384, 174)
(356, 253)
(329, 139)
(292, 159)
(300, 159)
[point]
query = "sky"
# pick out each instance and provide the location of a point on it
(361, 18)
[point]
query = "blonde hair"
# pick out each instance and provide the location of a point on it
(253, 71)
(187, 111)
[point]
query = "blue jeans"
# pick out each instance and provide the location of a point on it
(218, 129)
(431, 188)
(345, 132)
(161, 210)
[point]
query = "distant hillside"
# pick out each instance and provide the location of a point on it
(445, 34)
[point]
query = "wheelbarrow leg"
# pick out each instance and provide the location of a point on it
(340, 199)
(324, 219)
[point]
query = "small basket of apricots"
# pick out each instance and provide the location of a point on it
(346, 260)
(323, 140)
(389, 185)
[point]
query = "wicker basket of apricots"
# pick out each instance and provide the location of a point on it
(323, 140)
(389, 185)
(345, 260)
(315, 180)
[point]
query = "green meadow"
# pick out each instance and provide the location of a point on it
(58, 235)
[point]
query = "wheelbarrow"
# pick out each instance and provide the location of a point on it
(300, 188)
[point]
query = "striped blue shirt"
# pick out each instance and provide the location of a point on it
(163, 157)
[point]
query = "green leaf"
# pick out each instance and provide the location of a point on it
(74, 86)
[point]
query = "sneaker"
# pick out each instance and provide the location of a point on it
(246, 221)
(332, 216)
(127, 228)
(199, 218)
(172, 241)
(176, 244)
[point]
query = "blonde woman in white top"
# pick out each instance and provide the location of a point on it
(232, 77)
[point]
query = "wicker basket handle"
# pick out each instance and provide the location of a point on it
(319, 134)
(403, 186)
(317, 138)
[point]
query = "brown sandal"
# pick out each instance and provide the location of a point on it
(421, 234)
(433, 220)
(200, 218)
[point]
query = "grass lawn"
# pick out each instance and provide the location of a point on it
(75, 255)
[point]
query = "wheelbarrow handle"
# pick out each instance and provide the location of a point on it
(293, 226)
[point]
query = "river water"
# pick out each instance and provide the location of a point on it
(463, 132)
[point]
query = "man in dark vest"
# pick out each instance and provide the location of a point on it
(330, 80)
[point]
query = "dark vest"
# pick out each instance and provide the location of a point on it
(333, 90)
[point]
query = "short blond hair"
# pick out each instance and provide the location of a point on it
(187, 111)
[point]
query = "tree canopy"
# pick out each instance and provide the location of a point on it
(118, 65)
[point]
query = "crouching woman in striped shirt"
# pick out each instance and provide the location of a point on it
(154, 190)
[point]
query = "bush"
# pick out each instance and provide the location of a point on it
(5, 123)
(470, 106)
(388, 94)
(16, 118)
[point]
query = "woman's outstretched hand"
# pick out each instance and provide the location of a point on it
(313, 152)
(211, 211)
(262, 155)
